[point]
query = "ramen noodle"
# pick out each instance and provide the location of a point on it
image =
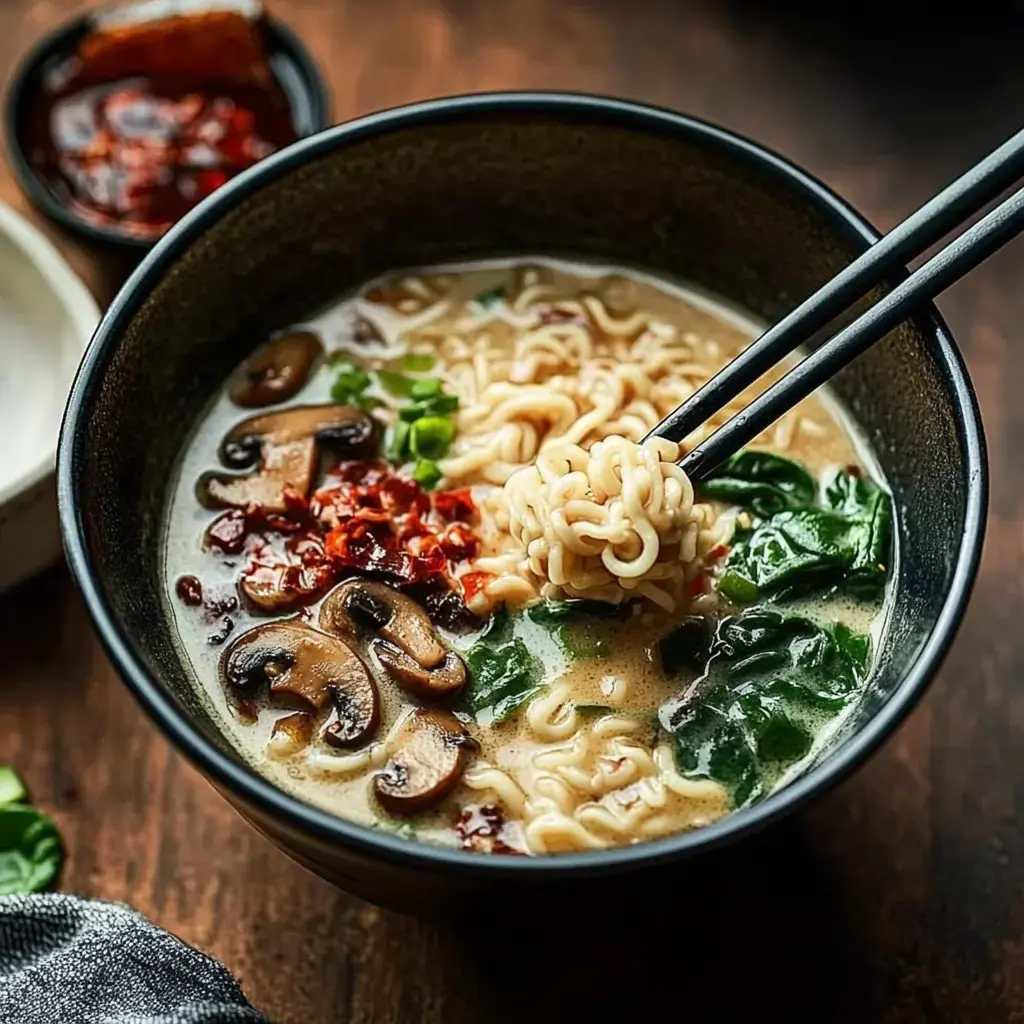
(433, 575)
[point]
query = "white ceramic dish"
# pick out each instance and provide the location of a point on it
(47, 317)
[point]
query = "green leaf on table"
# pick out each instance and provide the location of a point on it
(12, 789)
(761, 482)
(30, 849)
(771, 679)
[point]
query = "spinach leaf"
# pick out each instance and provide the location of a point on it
(575, 625)
(502, 677)
(710, 745)
(771, 679)
(761, 482)
(687, 646)
(844, 544)
(30, 847)
(498, 628)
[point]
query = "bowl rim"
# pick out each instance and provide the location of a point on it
(284, 38)
(251, 790)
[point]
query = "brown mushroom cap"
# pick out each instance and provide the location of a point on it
(283, 445)
(432, 749)
(310, 667)
(277, 371)
(442, 680)
(404, 640)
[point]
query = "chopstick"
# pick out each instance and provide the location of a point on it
(951, 263)
(929, 224)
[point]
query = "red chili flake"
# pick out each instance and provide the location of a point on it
(227, 532)
(308, 548)
(399, 494)
(698, 585)
(717, 552)
(554, 315)
(409, 526)
(382, 523)
(354, 544)
(483, 829)
(455, 506)
(459, 542)
(189, 591)
(280, 586)
(474, 582)
(424, 546)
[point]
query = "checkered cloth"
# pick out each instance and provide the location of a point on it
(69, 961)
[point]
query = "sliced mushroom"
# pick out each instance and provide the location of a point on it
(290, 735)
(403, 637)
(277, 371)
(432, 750)
(308, 666)
(282, 586)
(447, 678)
(283, 446)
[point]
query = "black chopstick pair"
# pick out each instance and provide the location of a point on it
(962, 199)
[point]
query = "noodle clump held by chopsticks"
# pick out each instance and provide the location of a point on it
(609, 523)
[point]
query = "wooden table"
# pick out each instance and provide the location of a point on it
(896, 898)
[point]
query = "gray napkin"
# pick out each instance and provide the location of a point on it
(69, 961)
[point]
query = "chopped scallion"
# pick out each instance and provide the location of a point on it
(442, 404)
(398, 443)
(395, 383)
(427, 474)
(431, 437)
(418, 362)
(426, 387)
(349, 383)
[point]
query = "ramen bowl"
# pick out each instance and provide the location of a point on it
(455, 180)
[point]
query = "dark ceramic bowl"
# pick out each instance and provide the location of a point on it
(290, 61)
(455, 179)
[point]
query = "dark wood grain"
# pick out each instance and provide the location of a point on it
(897, 898)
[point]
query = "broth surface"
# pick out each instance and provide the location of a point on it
(594, 726)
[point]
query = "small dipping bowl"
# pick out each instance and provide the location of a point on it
(292, 66)
(47, 316)
(455, 180)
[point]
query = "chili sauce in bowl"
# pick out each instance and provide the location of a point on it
(122, 122)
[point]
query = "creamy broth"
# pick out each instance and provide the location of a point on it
(589, 759)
